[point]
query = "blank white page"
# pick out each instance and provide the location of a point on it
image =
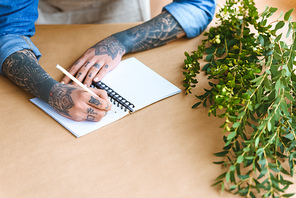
(138, 84)
(80, 128)
(132, 80)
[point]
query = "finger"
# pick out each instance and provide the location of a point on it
(103, 71)
(73, 70)
(99, 103)
(92, 73)
(81, 74)
(93, 114)
(101, 93)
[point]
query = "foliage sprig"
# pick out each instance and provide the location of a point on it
(252, 81)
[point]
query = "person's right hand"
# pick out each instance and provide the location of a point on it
(75, 103)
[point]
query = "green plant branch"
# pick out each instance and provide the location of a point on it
(268, 173)
(254, 78)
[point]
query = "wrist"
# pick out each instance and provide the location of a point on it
(45, 89)
(125, 40)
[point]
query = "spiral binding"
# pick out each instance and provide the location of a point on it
(115, 97)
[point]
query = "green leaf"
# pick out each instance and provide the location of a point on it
(288, 195)
(262, 162)
(257, 142)
(231, 135)
(272, 9)
(281, 14)
(288, 14)
(209, 57)
(290, 136)
(284, 107)
(249, 157)
(257, 79)
(246, 149)
(221, 162)
(262, 173)
(243, 177)
(232, 187)
(196, 105)
(210, 50)
(221, 154)
(235, 125)
(274, 167)
(269, 126)
(227, 177)
(259, 151)
(240, 159)
(221, 176)
(278, 38)
(278, 85)
(277, 56)
(218, 182)
(284, 171)
(265, 11)
(267, 83)
(289, 31)
(261, 40)
(279, 25)
(241, 114)
(206, 67)
(232, 168)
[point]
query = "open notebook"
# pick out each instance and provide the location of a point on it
(132, 80)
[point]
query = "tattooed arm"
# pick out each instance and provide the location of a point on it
(104, 56)
(70, 101)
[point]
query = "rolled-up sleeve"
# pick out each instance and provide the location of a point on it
(193, 15)
(11, 43)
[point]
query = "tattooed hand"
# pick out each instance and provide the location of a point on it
(75, 103)
(97, 61)
(70, 101)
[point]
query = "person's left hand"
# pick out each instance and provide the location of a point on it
(97, 61)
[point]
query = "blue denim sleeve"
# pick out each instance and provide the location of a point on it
(11, 43)
(193, 15)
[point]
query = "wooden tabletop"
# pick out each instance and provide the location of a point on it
(163, 150)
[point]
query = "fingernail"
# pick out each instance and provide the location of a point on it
(62, 82)
(96, 79)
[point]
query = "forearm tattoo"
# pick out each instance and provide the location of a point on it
(23, 69)
(154, 33)
(61, 99)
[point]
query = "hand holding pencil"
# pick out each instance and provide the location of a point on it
(79, 102)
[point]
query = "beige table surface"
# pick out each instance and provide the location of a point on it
(164, 150)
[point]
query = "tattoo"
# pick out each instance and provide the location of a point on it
(61, 99)
(94, 101)
(79, 74)
(154, 33)
(90, 118)
(77, 62)
(106, 66)
(86, 64)
(90, 74)
(107, 106)
(23, 69)
(110, 46)
(97, 65)
(91, 111)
